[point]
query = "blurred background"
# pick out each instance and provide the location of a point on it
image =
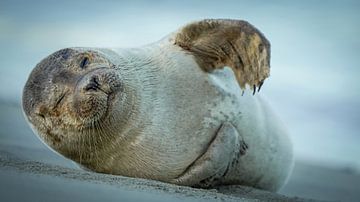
(314, 83)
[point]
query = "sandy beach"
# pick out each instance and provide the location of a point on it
(32, 172)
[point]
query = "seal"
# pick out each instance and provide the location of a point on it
(173, 111)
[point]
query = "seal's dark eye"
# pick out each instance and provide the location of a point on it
(84, 62)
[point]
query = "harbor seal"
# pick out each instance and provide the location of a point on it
(173, 111)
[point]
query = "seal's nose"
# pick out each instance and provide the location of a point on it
(93, 84)
(99, 81)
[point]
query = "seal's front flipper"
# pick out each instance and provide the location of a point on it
(216, 43)
(222, 153)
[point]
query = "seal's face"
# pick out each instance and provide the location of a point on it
(68, 94)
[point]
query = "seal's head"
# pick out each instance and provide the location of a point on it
(70, 94)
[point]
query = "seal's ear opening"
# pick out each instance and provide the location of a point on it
(233, 43)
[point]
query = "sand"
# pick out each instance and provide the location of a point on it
(29, 171)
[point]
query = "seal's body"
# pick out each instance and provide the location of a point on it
(163, 111)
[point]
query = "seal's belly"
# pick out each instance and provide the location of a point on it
(195, 111)
(194, 107)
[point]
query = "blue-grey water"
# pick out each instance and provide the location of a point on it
(314, 83)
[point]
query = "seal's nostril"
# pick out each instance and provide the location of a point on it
(93, 85)
(95, 81)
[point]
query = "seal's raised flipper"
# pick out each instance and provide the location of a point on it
(221, 154)
(234, 43)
